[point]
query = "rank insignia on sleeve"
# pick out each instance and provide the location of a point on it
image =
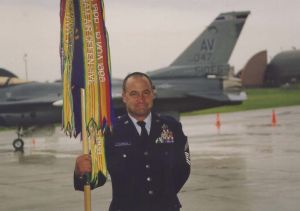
(187, 153)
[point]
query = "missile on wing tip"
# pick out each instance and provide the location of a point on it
(58, 103)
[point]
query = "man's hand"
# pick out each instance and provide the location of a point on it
(83, 165)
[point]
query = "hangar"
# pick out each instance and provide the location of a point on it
(283, 69)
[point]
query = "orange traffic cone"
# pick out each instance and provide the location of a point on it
(218, 122)
(33, 141)
(273, 118)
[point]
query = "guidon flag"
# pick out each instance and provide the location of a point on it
(85, 65)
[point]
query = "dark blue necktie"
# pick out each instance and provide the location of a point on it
(144, 134)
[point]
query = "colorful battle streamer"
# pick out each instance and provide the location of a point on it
(86, 64)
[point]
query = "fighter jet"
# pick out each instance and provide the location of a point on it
(197, 79)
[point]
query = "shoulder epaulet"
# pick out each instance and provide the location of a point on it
(121, 119)
(168, 119)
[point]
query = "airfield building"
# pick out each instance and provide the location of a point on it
(283, 69)
(252, 75)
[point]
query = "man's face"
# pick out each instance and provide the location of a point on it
(138, 97)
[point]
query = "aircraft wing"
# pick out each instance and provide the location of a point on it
(221, 96)
(30, 101)
(20, 97)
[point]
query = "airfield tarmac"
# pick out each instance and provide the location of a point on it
(246, 165)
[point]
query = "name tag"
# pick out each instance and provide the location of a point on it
(122, 144)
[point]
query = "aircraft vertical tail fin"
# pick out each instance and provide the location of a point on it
(216, 43)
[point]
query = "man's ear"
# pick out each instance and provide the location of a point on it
(154, 92)
(123, 97)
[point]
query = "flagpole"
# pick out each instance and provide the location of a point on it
(85, 150)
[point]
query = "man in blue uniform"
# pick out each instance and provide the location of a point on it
(147, 154)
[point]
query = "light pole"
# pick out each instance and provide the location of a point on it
(25, 62)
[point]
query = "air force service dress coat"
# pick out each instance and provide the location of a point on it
(146, 175)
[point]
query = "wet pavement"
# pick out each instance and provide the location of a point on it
(246, 164)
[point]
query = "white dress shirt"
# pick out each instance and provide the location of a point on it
(147, 121)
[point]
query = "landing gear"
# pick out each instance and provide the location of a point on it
(18, 143)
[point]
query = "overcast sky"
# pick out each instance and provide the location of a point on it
(144, 34)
